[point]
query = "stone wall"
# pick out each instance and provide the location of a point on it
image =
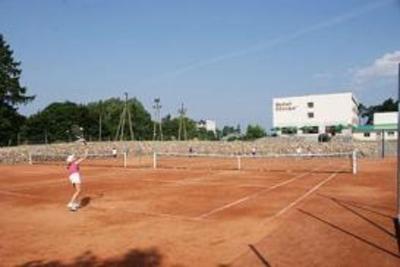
(263, 146)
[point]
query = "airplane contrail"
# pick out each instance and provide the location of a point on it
(268, 44)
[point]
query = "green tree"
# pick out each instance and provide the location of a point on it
(56, 121)
(254, 132)
(110, 111)
(171, 128)
(203, 134)
(12, 94)
(228, 130)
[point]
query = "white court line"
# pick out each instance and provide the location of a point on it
(152, 214)
(166, 215)
(34, 184)
(309, 192)
(213, 175)
(47, 182)
(204, 215)
(146, 213)
(21, 195)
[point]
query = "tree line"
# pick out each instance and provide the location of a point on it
(99, 121)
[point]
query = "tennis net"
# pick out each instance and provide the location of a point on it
(328, 162)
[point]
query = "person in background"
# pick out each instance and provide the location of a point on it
(253, 151)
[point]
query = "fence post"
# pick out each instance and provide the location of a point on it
(154, 160)
(125, 159)
(354, 161)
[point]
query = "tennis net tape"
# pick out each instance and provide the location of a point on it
(318, 162)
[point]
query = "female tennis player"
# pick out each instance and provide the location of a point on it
(75, 179)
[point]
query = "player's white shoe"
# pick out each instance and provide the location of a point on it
(73, 209)
(73, 206)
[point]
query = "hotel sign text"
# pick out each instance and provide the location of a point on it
(284, 106)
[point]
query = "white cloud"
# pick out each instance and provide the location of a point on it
(383, 67)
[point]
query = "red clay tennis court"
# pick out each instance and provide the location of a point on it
(200, 216)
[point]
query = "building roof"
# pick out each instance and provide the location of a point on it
(375, 128)
(317, 95)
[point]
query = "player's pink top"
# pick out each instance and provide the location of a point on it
(73, 168)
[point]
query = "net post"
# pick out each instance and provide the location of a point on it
(154, 160)
(354, 161)
(29, 158)
(239, 163)
(125, 159)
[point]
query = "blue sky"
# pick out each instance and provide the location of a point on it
(224, 59)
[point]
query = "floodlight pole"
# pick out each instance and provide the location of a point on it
(182, 125)
(157, 119)
(100, 118)
(398, 149)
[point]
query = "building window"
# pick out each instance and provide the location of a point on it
(310, 115)
(289, 130)
(390, 133)
(310, 104)
(367, 134)
(334, 129)
(310, 129)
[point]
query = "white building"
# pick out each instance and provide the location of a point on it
(315, 114)
(384, 127)
(381, 118)
(209, 125)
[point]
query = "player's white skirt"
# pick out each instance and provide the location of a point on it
(75, 178)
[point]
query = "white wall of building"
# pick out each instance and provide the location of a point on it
(385, 118)
(315, 110)
(372, 136)
(375, 136)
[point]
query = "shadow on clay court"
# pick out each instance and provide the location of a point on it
(259, 256)
(396, 224)
(350, 234)
(362, 206)
(352, 210)
(134, 258)
(85, 202)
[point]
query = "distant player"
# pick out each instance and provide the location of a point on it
(114, 152)
(253, 151)
(75, 179)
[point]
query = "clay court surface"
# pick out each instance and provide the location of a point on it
(200, 217)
